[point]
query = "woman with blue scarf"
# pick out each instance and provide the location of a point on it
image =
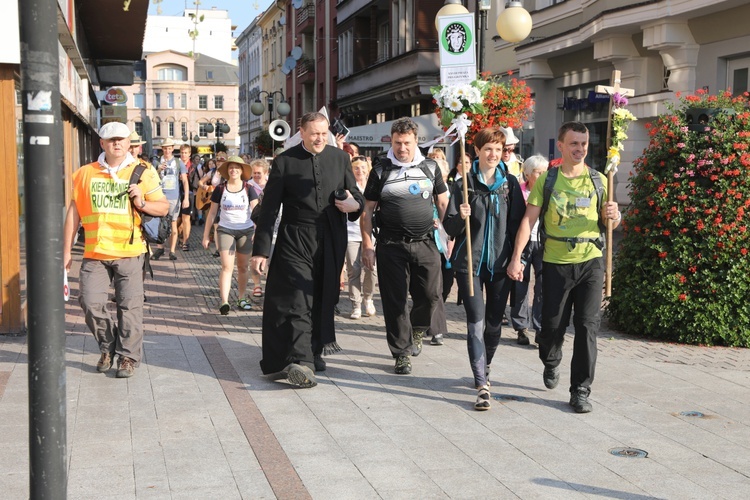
(494, 208)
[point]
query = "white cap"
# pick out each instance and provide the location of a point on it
(510, 137)
(114, 129)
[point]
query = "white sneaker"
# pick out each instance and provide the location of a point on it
(369, 308)
(356, 313)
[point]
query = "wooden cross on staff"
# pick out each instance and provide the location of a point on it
(611, 90)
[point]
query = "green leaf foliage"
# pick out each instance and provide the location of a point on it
(682, 272)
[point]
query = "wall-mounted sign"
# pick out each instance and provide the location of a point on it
(116, 95)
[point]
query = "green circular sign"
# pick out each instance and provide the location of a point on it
(456, 38)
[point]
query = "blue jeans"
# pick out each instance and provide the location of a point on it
(483, 321)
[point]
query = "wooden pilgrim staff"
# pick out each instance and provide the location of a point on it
(611, 90)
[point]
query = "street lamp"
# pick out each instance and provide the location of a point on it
(283, 109)
(482, 6)
(192, 139)
(221, 129)
(451, 8)
(514, 23)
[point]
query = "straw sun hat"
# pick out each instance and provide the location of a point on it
(247, 171)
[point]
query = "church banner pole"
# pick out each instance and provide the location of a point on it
(465, 176)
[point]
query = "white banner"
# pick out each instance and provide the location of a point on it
(458, 55)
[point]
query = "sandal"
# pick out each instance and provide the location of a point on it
(257, 291)
(483, 399)
(185, 247)
(224, 309)
(244, 305)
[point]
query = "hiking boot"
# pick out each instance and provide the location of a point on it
(416, 342)
(403, 365)
(319, 362)
(437, 339)
(104, 363)
(551, 376)
(370, 308)
(579, 400)
(483, 399)
(301, 376)
(523, 338)
(157, 254)
(125, 367)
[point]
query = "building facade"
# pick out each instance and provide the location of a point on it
(272, 26)
(659, 47)
(312, 69)
(177, 96)
(197, 31)
(92, 56)
(250, 48)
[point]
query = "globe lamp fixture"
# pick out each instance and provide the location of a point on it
(514, 23)
(451, 8)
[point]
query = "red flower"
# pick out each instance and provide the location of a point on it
(662, 255)
(683, 297)
(743, 251)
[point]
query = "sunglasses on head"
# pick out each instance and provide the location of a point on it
(358, 158)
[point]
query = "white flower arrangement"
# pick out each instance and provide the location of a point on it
(457, 99)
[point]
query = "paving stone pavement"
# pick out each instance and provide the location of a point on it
(198, 420)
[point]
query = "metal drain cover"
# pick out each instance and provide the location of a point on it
(695, 414)
(509, 397)
(629, 452)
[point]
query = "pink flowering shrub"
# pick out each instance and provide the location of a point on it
(682, 272)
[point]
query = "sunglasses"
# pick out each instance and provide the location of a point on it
(358, 158)
(509, 150)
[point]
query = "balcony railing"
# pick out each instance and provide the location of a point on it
(305, 13)
(305, 66)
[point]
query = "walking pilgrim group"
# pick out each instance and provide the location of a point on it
(312, 201)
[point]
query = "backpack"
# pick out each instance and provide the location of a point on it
(383, 168)
(255, 214)
(155, 230)
(549, 185)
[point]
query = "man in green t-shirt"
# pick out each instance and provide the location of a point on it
(573, 270)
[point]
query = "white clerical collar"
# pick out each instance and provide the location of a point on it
(303, 147)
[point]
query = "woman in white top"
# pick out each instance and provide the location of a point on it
(235, 232)
(361, 279)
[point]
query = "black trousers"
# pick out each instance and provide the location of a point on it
(403, 269)
(566, 287)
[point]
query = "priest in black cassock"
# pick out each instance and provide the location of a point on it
(302, 287)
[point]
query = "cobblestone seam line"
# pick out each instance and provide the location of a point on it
(278, 469)
(4, 376)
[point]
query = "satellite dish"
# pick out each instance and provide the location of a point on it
(290, 62)
(297, 53)
(282, 20)
(285, 69)
(297, 3)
